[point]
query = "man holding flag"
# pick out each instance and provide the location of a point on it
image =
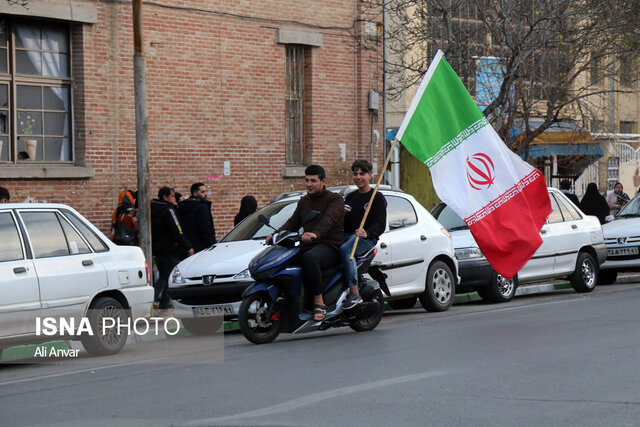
(503, 199)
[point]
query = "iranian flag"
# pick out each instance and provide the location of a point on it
(503, 199)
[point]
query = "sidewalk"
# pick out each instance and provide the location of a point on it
(541, 288)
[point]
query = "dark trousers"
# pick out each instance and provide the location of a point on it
(164, 264)
(314, 260)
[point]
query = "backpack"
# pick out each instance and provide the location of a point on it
(125, 230)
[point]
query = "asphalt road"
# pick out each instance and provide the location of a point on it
(556, 359)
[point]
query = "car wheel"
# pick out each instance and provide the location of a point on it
(257, 322)
(499, 289)
(607, 277)
(203, 326)
(440, 288)
(105, 341)
(585, 276)
(369, 323)
(403, 304)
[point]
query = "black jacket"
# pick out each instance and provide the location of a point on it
(166, 235)
(376, 219)
(197, 222)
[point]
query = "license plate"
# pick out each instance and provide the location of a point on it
(633, 250)
(212, 310)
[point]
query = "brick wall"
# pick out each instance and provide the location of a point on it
(215, 92)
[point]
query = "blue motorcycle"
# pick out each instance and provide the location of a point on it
(277, 301)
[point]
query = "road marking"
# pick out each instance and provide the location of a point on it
(81, 371)
(531, 305)
(317, 397)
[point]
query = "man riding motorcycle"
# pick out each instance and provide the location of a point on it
(322, 237)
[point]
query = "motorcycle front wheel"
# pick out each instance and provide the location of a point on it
(257, 320)
(370, 322)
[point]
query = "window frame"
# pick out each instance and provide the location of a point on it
(295, 93)
(12, 79)
(21, 237)
(391, 200)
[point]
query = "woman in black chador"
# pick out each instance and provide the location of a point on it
(593, 203)
(248, 205)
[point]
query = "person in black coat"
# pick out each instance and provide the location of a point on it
(248, 205)
(196, 218)
(593, 203)
(565, 187)
(167, 242)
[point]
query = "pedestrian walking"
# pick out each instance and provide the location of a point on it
(565, 187)
(248, 205)
(593, 203)
(4, 195)
(617, 199)
(196, 218)
(167, 241)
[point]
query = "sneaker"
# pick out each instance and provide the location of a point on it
(155, 310)
(351, 301)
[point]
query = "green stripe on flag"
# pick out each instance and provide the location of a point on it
(445, 113)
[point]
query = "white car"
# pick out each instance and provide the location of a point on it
(54, 264)
(415, 252)
(622, 237)
(572, 247)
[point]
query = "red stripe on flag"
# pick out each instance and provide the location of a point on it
(509, 236)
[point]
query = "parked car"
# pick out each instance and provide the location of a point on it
(622, 238)
(415, 252)
(572, 247)
(56, 264)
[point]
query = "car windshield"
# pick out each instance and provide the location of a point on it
(631, 209)
(448, 218)
(252, 229)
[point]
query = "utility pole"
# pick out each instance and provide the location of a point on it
(142, 150)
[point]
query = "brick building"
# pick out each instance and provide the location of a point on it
(241, 95)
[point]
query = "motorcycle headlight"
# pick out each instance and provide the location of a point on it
(244, 275)
(176, 277)
(468, 253)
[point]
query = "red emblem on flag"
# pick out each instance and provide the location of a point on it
(480, 171)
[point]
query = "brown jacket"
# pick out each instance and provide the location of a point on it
(329, 224)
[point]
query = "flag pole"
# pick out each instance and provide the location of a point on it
(375, 190)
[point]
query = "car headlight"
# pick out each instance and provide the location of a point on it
(467, 253)
(176, 277)
(244, 275)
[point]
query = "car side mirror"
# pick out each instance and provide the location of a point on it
(608, 218)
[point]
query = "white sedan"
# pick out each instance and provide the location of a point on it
(572, 247)
(415, 252)
(57, 267)
(622, 237)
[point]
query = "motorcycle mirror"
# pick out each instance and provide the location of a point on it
(265, 221)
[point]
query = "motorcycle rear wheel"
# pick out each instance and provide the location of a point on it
(255, 321)
(369, 323)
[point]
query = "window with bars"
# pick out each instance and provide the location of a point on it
(627, 127)
(35, 92)
(294, 104)
(626, 71)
